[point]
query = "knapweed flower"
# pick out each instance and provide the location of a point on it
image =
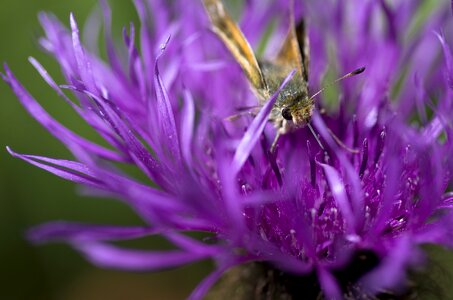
(349, 210)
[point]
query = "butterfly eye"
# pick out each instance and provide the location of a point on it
(286, 114)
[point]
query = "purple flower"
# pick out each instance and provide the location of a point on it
(304, 209)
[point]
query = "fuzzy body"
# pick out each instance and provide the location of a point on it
(294, 96)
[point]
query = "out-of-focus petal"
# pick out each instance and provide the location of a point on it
(108, 256)
(71, 231)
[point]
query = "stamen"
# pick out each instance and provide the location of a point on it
(271, 156)
(380, 146)
(311, 157)
(355, 128)
(355, 136)
(275, 168)
(364, 157)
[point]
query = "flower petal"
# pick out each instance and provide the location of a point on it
(54, 127)
(71, 231)
(108, 256)
(392, 270)
(339, 193)
(329, 284)
(168, 132)
(255, 129)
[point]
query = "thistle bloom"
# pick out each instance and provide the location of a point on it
(310, 208)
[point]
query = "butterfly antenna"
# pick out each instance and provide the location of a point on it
(350, 74)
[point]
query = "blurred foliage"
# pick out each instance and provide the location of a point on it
(29, 196)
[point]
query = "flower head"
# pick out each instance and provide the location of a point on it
(376, 180)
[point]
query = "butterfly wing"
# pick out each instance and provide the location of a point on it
(294, 53)
(234, 40)
(304, 46)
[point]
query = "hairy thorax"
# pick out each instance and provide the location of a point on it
(293, 108)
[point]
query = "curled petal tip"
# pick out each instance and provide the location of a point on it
(73, 22)
(164, 45)
(6, 68)
(10, 151)
(32, 60)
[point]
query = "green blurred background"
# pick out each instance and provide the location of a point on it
(29, 196)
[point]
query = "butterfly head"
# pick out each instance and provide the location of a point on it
(299, 113)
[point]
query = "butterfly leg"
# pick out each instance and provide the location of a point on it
(243, 111)
(274, 143)
(337, 139)
(283, 127)
(341, 144)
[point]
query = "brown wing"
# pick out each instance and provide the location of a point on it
(294, 51)
(233, 38)
(304, 46)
